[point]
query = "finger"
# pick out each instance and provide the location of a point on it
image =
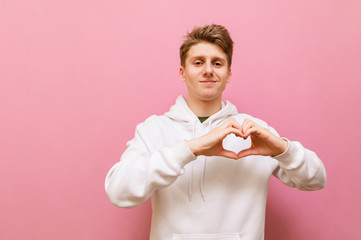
(233, 130)
(234, 122)
(251, 130)
(247, 124)
(229, 123)
(258, 131)
(244, 125)
(247, 132)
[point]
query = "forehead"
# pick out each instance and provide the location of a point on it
(206, 50)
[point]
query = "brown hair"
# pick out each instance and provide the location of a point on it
(216, 34)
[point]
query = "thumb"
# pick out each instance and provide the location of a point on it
(229, 154)
(246, 152)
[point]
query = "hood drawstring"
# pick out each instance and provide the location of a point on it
(202, 180)
(203, 169)
(205, 166)
(191, 174)
(190, 183)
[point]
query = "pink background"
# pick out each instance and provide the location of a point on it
(77, 76)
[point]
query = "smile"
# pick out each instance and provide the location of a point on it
(208, 81)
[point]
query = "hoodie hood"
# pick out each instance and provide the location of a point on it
(180, 112)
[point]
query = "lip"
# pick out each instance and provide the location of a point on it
(208, 81)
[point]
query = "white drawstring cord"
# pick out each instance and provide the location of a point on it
(203, 176)
(204, 169)
(190, 183)
(191, 174)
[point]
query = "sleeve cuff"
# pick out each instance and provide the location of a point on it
(285, 152)
(184, 154)
(287, 158)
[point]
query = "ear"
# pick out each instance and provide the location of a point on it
(229, 75)
(181, 74)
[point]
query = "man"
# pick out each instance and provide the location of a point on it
(206, 167)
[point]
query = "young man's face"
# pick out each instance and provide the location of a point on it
(206, 72)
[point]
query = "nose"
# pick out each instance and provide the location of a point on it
(208, 69)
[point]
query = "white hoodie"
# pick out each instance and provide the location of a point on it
(204, 197)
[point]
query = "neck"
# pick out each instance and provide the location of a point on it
(204, 108)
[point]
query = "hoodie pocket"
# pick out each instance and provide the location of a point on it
(219, 236)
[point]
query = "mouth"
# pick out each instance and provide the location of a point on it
(208, 81)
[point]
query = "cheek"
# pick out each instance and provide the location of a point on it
(191, 74)
(223, 75)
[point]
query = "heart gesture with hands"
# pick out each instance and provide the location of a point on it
(263, 142)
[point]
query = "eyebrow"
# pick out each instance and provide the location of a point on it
(203, 57)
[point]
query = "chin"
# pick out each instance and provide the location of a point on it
(210, 97)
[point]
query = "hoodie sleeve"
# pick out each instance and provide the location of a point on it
(140, 172)
(299, 167)
(296, 167)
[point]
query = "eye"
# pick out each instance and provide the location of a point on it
(217, 64)
(198, 63)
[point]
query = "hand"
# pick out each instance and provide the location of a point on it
(211, 144)
(263, 141)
